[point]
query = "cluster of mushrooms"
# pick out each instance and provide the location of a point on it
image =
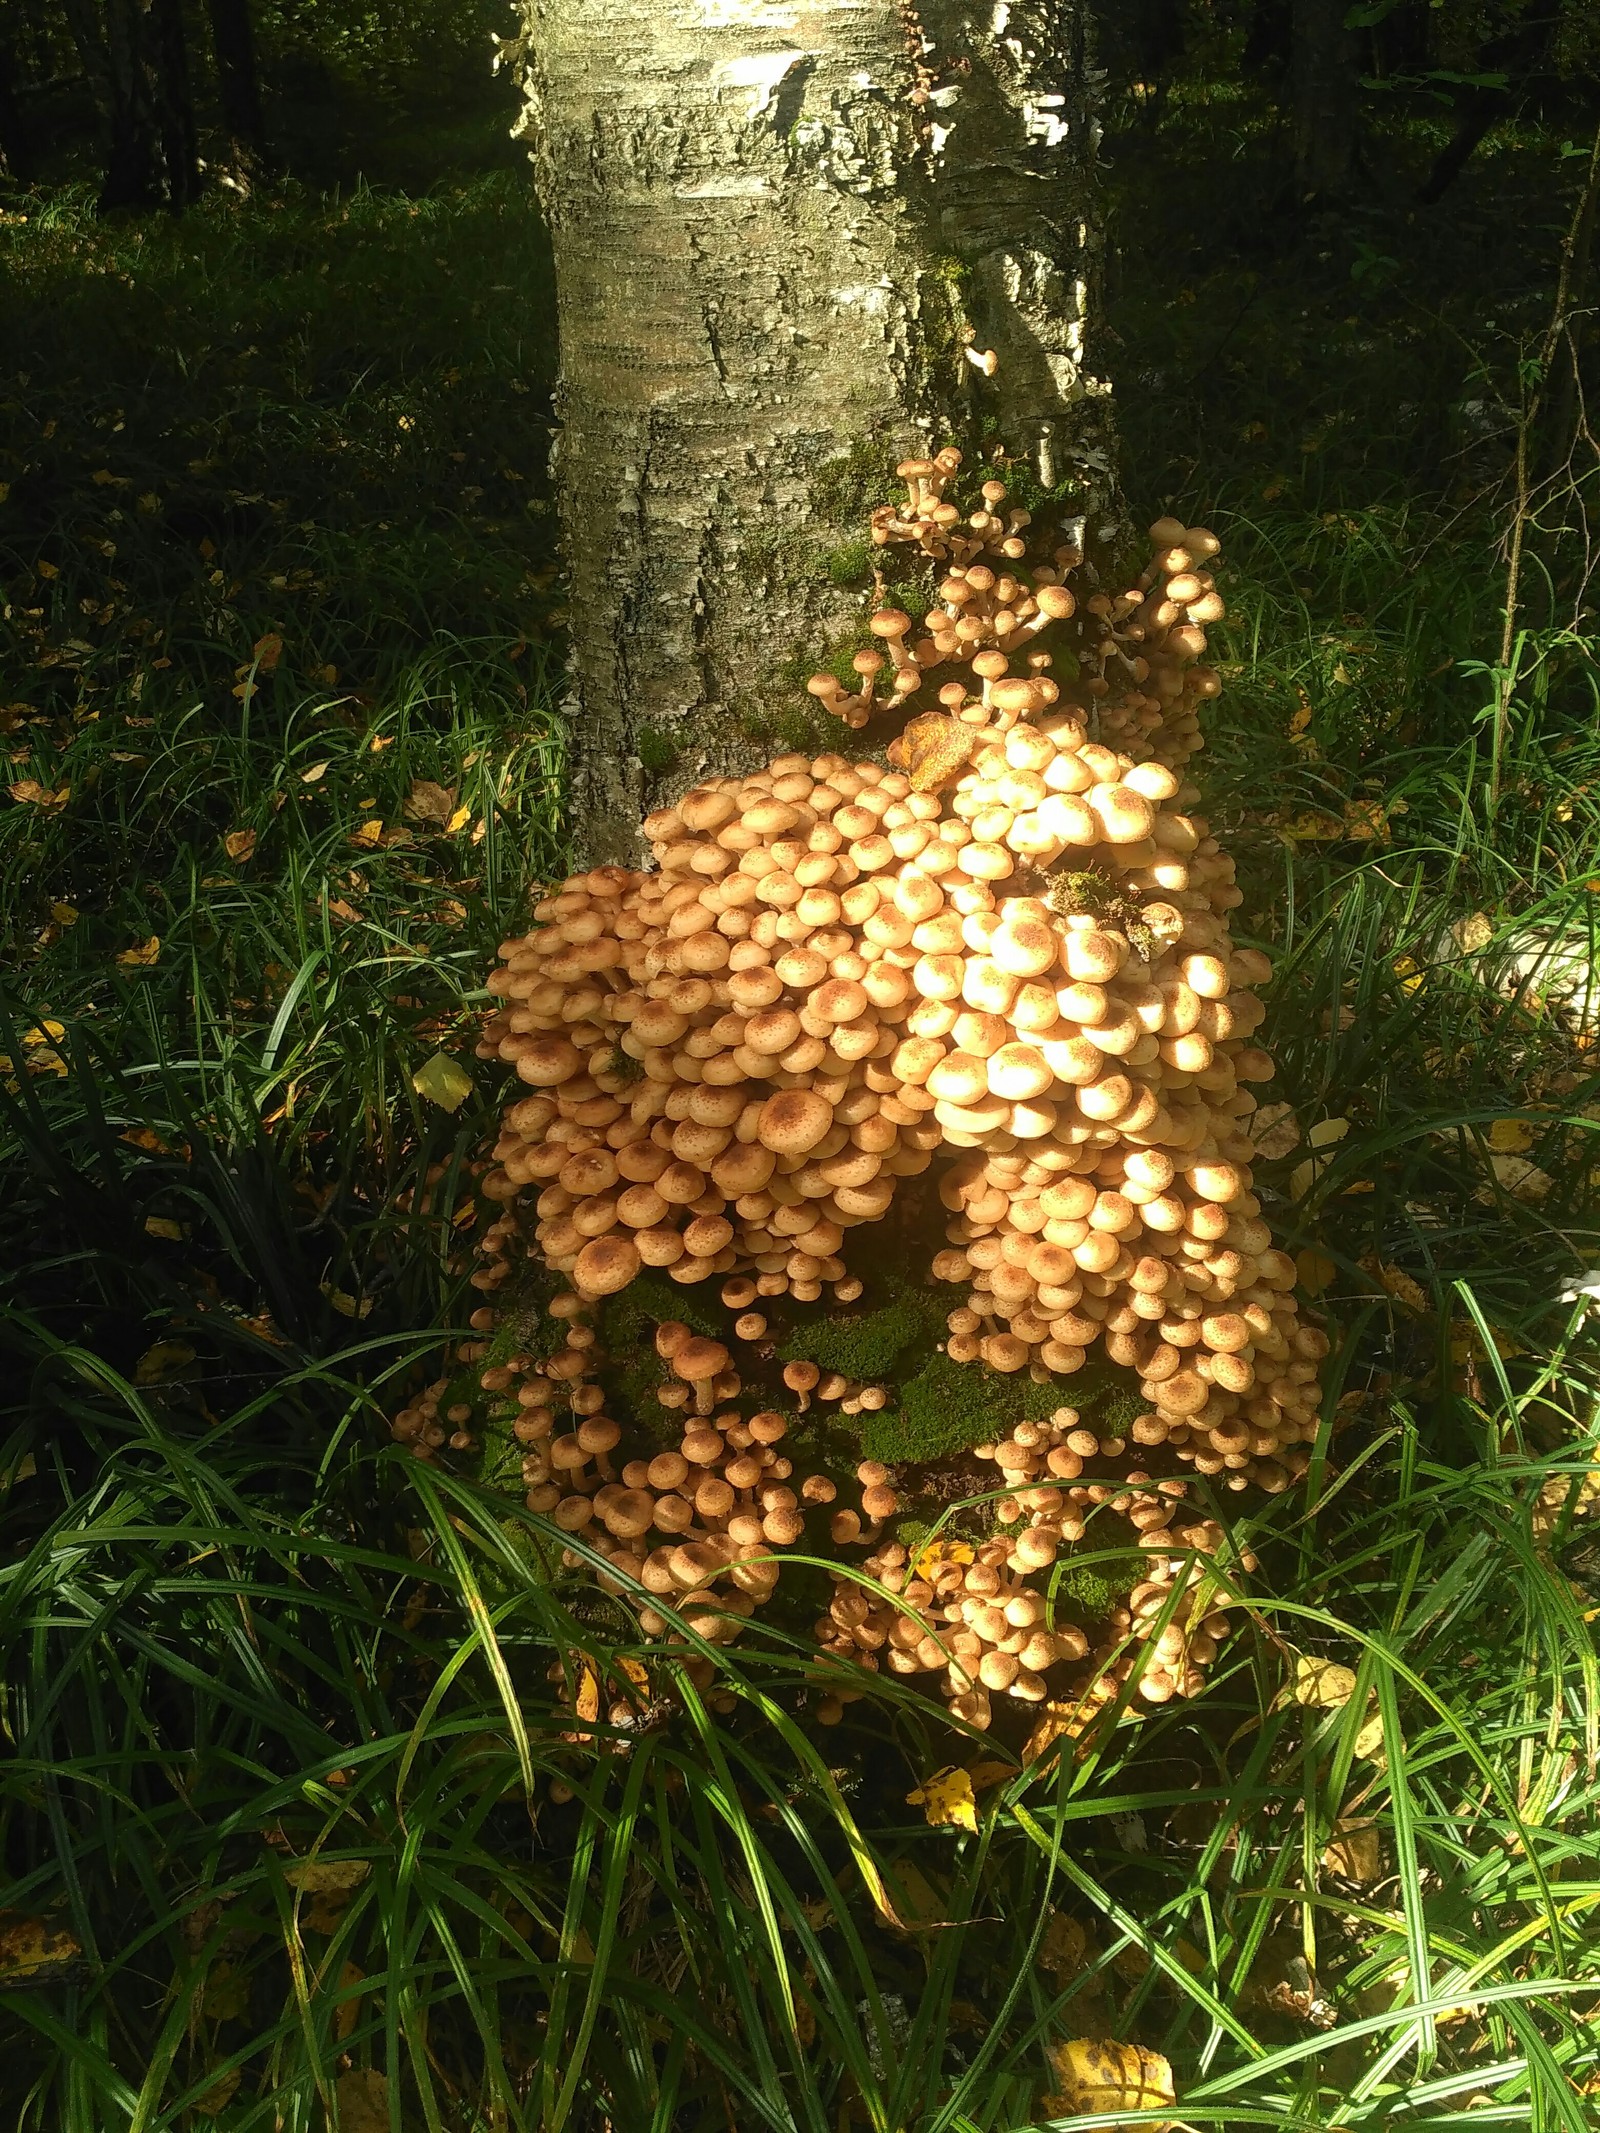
(1005, 951)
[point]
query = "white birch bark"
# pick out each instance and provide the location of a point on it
(778, 226)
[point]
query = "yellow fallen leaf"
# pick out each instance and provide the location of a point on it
(368, 833)
(46, 1032)
(348, 913)
(443, 1081)
(345, 1304)
(943, 1551)
(1474, 932)
(946, 1797)
(1310, 827)
(64, 914)
(380, 741)
(1514, 1174)
(240, 844)
(32, 794)
(146, 1137)
(163, 1226)
(1301, 719)
(1510, 1136)
(1100, 2076)
(328, 676)
(1354, 1853)
(33, 1951)
(1327, 1131)
(458, 821)
(586, 1697)
(141, 958)
(48, 570)
(315, 774)
(1314, 1271)
(634, 1673)
(983, 1775)
(161, 1362)
(267, 651)
(1321, 1684)
(1365, 821)
(1404, 1288)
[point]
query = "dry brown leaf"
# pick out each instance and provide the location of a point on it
(348, 913)
(240, 844)
(362, 2095)
(315, 774)
(1354, 1852)
(932, 750)
(216, 2099)
(348, 2010)
(428, 802)
(1099, 2075)
(1275, 1130)
(1314, 1271)
(1514, 1174)
(33, 1951)
(267, 651)
(1064, 1946)
(161, 1362)
(330, 1884)
(164, 1226)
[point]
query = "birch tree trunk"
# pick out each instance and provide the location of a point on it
(781, 227)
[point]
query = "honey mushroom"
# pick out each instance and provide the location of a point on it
(837, 970)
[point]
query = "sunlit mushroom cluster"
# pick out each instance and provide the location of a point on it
(1006, 949)
(1135, 654)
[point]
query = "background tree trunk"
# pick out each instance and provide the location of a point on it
(154, 160)
(16, 154)
(1326, 95)
(233, 46)
(777, 233)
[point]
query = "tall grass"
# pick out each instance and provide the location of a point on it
(297, 1771)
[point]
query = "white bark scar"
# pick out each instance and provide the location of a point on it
(763, 74)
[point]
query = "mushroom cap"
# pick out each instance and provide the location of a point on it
(792, 1121)
(699, 1358)
(605, 1265)
(598, 1434)
(630, 1513)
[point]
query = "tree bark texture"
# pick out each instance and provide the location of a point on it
(1326, 92)
(779, 228)
(154, 158)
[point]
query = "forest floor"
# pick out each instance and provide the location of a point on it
(278, 691)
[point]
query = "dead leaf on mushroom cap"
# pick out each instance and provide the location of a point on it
(932, 749)
(1099, 2076)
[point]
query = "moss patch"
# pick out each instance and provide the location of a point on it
(869, 1344)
